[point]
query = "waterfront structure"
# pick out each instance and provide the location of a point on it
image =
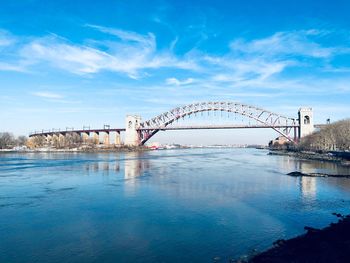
(132, 125)
(306, 121)
(138, 133)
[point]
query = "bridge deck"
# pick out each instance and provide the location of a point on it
(208, 127)
(202, 127)
(45, 133)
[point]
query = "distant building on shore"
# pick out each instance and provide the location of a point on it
(278, 142)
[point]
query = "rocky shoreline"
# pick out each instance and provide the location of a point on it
(342, 158)
(330, 244)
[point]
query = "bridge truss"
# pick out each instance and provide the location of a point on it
(266, 119)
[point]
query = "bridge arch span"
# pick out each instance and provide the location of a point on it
(281, 124)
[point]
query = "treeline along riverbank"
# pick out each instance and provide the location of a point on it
(332, 137)
(330, 143)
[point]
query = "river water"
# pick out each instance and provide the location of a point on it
(193, 205)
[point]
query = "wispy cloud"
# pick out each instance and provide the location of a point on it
(248, 63)
(128, 53)
(177, 82)
(9, 59)
(296, 43)
(264, 63)
(73, 58)
(53, 97)
(47, 95)
(6, 38)
(148, 40)
(12, 67)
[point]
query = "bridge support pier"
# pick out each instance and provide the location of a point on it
(117, 138)
(132, 136)
(85, 136)
(61, 140)
(49, 139)
(106, 139)
(96, 137)
(296, 136)
(54, 140)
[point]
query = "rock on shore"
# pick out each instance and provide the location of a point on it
(331, 244)
(297, 174)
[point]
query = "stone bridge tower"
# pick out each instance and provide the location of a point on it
(306, 121)
(132, 136)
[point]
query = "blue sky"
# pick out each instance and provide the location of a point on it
(74, 63)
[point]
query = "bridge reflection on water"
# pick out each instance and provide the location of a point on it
(119, 205)
(133, 165)
(308, 185)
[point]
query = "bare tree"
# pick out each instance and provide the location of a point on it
(335, 136)
(38, 141)
(72, 140)
(21, 140)
(7, 140)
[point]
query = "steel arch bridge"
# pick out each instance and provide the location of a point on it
(266, 119)
(138, 133)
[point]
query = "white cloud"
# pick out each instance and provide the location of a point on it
(8, 62)
(12, 67)
(48, 95)
(72, 58)
(249, 63)
(176, 82)
(132, 54)
(6, 38)
(285, 43)
(127, 35)
(260, 63)
(233, 69)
